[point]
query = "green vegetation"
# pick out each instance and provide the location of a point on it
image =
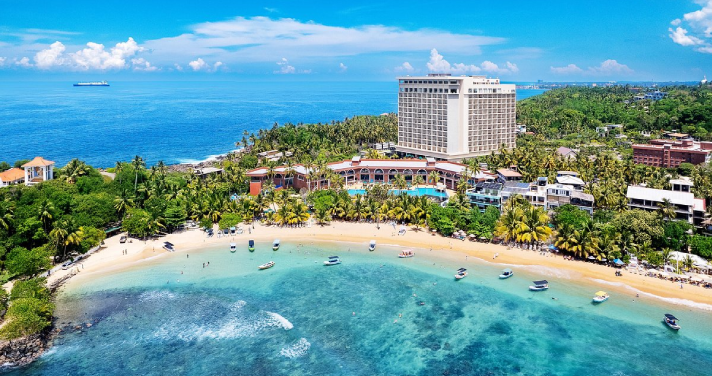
(30, 309)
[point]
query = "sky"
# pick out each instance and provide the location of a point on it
(515, 40)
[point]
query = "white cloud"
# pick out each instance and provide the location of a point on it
(569, 69)
(141, 64)
(610, 67)
(94, 56)
(680, 37)
(342, 67)
(438, 64)
(405, 67)
(178, 67)
(198, 64)
(24, 62)
(50, 57)
(217, 65)
(271, 10)
(2, 61)
(261, 39)
(285, 68)
(698, 28)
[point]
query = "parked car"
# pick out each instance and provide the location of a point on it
(66, 265)
(122, 239)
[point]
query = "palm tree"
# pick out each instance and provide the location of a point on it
(74, 170)
(509, 224)
(137, 163)
(534, 227)
(434, 177)
(399, 182)
(118, 170)
(667, 209)
(6, 214)
(45, 214)
(418, 180)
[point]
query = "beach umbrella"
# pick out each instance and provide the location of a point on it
(591, 257)
(618, 262)
(664, 274)
(696, 279)
(472, 236)
(684, 276)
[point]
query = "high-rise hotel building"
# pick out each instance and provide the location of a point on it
(452, 118)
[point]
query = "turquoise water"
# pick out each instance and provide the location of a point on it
(303, 318)
(432, 192)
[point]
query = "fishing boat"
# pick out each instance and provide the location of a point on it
(671, 321)
(98, 83)
(233, 247)
(406, 253)
(506, 273)
(333, 260)
(461, 273)
(266, 265)
(601, 297)
(251, 245)
(372, 246)
(275, 245)
(539, 285)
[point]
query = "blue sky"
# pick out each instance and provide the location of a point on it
(516, 40)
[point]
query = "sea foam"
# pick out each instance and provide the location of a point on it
(297, 349)
(676, 301)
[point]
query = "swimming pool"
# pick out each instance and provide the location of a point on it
(431, 192)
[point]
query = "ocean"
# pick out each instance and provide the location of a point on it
(177, 122)
(374, 314)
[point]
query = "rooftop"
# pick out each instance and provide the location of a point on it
(658, 195)
(509, 173)
(12, 174)
(38, 162)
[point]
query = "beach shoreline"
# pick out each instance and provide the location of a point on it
(117, 257)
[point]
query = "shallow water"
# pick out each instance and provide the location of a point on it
(362, 317)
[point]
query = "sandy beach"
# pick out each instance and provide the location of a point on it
(117, 256)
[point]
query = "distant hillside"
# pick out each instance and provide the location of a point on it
(559, 112)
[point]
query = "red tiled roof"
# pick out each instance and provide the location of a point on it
(12, 174)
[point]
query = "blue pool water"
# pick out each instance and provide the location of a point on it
(363, 317)
(432, 192)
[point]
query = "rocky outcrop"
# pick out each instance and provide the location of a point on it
(25, 350)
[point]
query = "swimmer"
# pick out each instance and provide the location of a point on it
(414, 294)
(400, 315)
(554, 299)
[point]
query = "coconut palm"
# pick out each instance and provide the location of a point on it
(137, 163)
(399, 182)
(433, 177)
(667, 209)
(534, 227)
(45, 214)
(509, 224)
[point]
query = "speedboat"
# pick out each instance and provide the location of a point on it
(601, 297)
(406, 253)
(266, 265)
(539, 285)
(372, 246)
(461, 273)
(671, 321)
(275, 245)
(333, 260)
(506, 273)
(251, 245)
(233, 247)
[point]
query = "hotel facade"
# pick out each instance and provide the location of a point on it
(451, 118)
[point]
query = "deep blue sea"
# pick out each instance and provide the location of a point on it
(177, 122)
(171, 316)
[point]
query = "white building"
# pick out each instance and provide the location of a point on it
(452, 118)
(650, 199)
(38, 170)
(12, 176)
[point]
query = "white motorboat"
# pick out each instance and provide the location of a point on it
(461, 273)
(601, 297)
(540, 285)
(251, 245)
(333, 260)
(266, 265)
(372, 246)
(406, 253)
(233, 247)
(275, 245)
(506, 273)
(671, 321)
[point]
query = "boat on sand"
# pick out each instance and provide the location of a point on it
(406, 253)
(266, 265)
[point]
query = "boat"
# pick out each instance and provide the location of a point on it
(372, 246)
(601, 297)
(251, 245)
(275, 245)
(233, 247)
(461, 273)
(97, 83)
(539, 285)
(266, 265)
(333, 260)
(406, 253)
(506, 273)
(671, 321)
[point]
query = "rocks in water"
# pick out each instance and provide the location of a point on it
(22, 351)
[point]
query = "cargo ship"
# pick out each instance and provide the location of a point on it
(102, 83)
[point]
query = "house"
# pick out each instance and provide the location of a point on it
(650, 199)
(505, 174)
(12, 176)
(38, 170)
(485, 194)
(566, 152)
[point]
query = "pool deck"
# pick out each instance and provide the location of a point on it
(362, 186)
